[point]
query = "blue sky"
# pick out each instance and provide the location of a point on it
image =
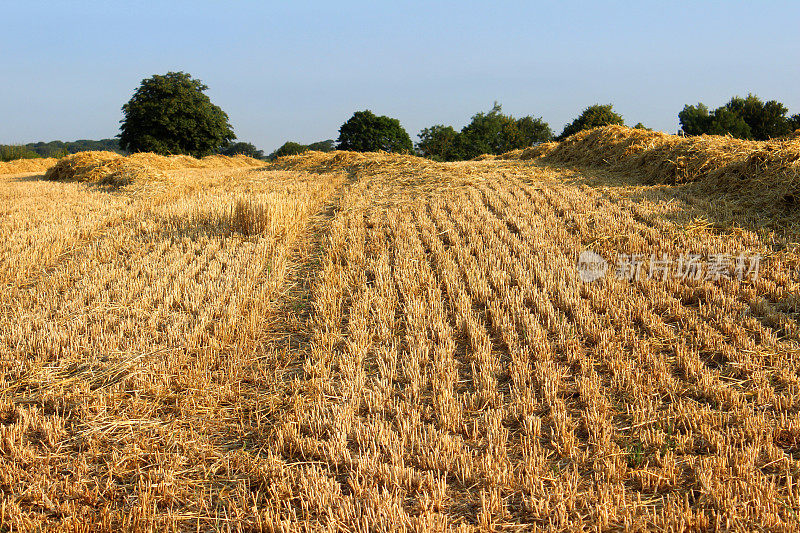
(298, 70)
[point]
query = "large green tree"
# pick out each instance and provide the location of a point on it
(744, 118)
(366, 132)
(489, 132)
(496, 133)
(171, 114)
(593, 116)
(695, 120)
(440, 143)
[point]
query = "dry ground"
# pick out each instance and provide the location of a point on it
(392, 344)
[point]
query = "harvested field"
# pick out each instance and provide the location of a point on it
(378, 342)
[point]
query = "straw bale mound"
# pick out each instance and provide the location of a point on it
(760, 172)
(355, 162)
(106, 168)
(18, 166)
(80, 167)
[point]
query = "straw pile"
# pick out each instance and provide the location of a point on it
(106, 168)
(109, 168)
(354, 162)
(19, 166)
(764, 172)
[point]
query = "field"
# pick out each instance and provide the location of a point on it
(378, 342)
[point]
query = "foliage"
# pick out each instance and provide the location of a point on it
(765, 119)
(10, 152)
(328, 145)
(243, 148)
(293, 148)
(496, 133)
(487, 133)
(695, 120)
(61, 148)
(366, 132)
(440, 143)
(593, 116)
(640, 126)
(171, 114)
(743, 118)
(727, 122)
(794, 122)
(289, 148)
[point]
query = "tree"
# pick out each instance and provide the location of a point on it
(243, 148)
(289, 148)
(794, 122)
(744, 118)
(640, 126)
(766, 120)
(487, 133)
(593, 116)
(171, 114)
(533, 130)
(727, 122)
(695, 120)
(328, 145)
(496, 133)
(366, 132)
(440, 143)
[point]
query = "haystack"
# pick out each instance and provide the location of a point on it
(105, 168)
(761, 172)
(19, 166)
(355, 162)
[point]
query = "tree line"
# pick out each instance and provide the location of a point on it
(171, 114)
(9, 152)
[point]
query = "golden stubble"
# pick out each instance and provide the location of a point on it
(444, 369)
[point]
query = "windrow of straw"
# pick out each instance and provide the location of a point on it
(18, 166)
(760, 172)
(113, 169)
(75, 167)
(355, 162)
(106, 168)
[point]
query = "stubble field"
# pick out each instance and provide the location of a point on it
(344, 342)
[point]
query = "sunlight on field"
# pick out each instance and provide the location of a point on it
(378, 342)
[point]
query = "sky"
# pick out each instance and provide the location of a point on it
(298, 70)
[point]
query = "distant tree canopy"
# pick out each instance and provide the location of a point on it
(289, 148)
(640, 126)
(367, 132)
(328, 145)
(744, 118)
(440, 143)
(171, 114)
(487, 133)
(10, 152)
(56, 148)
(243, 148)
(293, 148)
(593, 116)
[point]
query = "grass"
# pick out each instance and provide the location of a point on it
(369, 341)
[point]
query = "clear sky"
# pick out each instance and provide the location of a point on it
(297, 70)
